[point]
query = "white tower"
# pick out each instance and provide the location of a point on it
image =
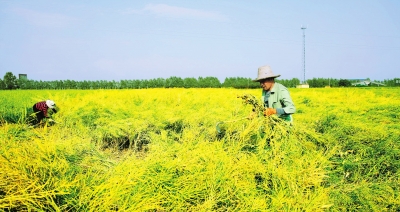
(304, 54)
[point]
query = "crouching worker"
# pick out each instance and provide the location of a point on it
(43, 110)
(275, 96)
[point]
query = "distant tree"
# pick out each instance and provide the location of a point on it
(190, 82)
(228, 82)
(160, 82)
(30, 84)
(135, 84)
(144, 84)
(239, 82)
(2, 85)
(10, 81)
(124, 84)
(117, 84)
(24, 83)
(344, 83)
(209, 82)
(71, 84)
(174, 82)
(318, 82)
(85, 85)
(294, 82)
(392, 83)
(290, 83)
(157, 83)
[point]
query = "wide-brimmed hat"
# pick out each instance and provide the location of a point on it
(265, 72)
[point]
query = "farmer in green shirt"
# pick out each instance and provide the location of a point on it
(275, 96)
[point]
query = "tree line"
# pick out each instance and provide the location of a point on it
(10, 81)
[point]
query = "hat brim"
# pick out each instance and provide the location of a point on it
(260, 79)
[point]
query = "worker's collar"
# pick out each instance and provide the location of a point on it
(272, 90)
(267, 93)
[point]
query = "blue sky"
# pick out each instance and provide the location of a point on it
(114, 40)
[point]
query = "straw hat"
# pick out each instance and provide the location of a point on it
(265, 72)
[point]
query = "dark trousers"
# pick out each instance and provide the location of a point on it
(39, 114)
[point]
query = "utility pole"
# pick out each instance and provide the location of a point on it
(304, 53)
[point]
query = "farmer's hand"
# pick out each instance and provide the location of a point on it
(269, 111)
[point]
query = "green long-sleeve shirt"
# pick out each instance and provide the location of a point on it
(279, 98)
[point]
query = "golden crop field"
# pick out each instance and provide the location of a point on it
(194, 150)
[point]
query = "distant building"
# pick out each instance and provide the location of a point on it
(366, 83)
(303, 86)
(361, 83)
(23, 76)
(377, 83)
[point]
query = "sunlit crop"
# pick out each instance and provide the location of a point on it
(162, 150)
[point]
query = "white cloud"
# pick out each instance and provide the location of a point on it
(173, 11)
(179, 12)
(44, 19)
